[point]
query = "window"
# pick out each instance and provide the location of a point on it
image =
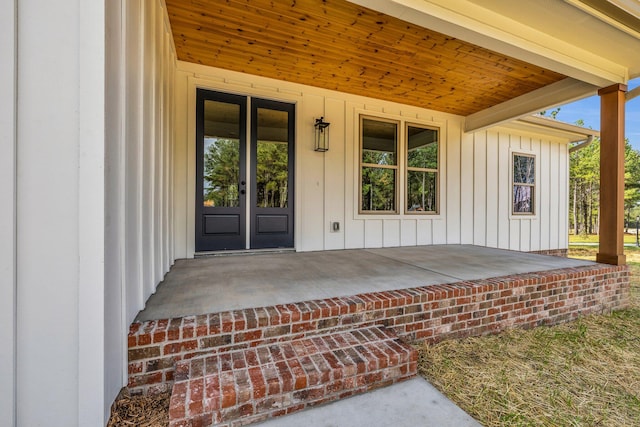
(524, 177)
(385, 162)
(422, 169)
(379, 165)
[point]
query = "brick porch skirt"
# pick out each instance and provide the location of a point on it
(429, 313)
(564, 253)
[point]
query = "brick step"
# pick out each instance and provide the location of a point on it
(250, 385)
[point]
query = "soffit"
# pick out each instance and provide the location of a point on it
(552, 128)
(582, 27)
(338, 45)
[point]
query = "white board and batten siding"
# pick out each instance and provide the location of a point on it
(140, 181)
(475, 173)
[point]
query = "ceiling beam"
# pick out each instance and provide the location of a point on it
(564, 91)
(470, 22)
(633, 93)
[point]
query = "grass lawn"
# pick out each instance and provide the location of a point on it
(585, 373)
(593, 238)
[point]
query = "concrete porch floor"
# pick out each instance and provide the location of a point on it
(230, 282)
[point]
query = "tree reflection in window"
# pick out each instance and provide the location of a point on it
(379, 163)
(524, 172)
(422, 169)
(221, 172)
(272, 162)
(272, 175)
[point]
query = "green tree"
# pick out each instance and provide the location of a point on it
(553, 113)
(584, 186)
(631, 179)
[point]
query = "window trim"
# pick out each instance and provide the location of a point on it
(407, 168)
(534, 192)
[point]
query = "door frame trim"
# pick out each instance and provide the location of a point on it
(194, 167)
(232, 83)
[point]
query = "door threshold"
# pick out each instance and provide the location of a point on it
(204, 254)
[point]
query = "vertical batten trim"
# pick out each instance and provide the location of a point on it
(8, 214)
(92, 407)
(122, 212)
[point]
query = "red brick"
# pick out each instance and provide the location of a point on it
(145, 379)
(212, 395)
(228, 395)
(135, 368)
(196, 394)
(159, 336)
(258, 384)
(188, 332)
(177, 405)
(144, 339)
(134, 327)
(139, 353)
(180, 346)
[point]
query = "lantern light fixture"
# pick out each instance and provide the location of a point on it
(322, 135)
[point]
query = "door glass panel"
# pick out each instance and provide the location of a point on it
(272, 172)
(221, 154)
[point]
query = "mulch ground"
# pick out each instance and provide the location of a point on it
(140, 411)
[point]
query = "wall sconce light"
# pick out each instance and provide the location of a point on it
(322, 135)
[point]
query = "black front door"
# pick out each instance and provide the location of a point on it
(221, 135)
(224, 200)
(272, 154)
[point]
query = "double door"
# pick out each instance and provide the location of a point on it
(244, 172)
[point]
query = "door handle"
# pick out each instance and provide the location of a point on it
(242, 191)
(242, 183)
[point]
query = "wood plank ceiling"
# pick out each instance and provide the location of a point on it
(341, 46)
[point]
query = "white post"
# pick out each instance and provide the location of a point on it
(60, 193)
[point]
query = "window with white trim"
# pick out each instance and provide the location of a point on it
(524, 180)
(387, 160)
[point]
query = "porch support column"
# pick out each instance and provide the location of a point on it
(612, 102)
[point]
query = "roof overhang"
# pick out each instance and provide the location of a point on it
(551, 127)
(490, 61)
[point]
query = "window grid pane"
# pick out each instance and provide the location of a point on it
(523, 169)
(378, 189)
(422, 191)
(379, 142)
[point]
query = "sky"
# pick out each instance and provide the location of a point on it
(588, 109)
